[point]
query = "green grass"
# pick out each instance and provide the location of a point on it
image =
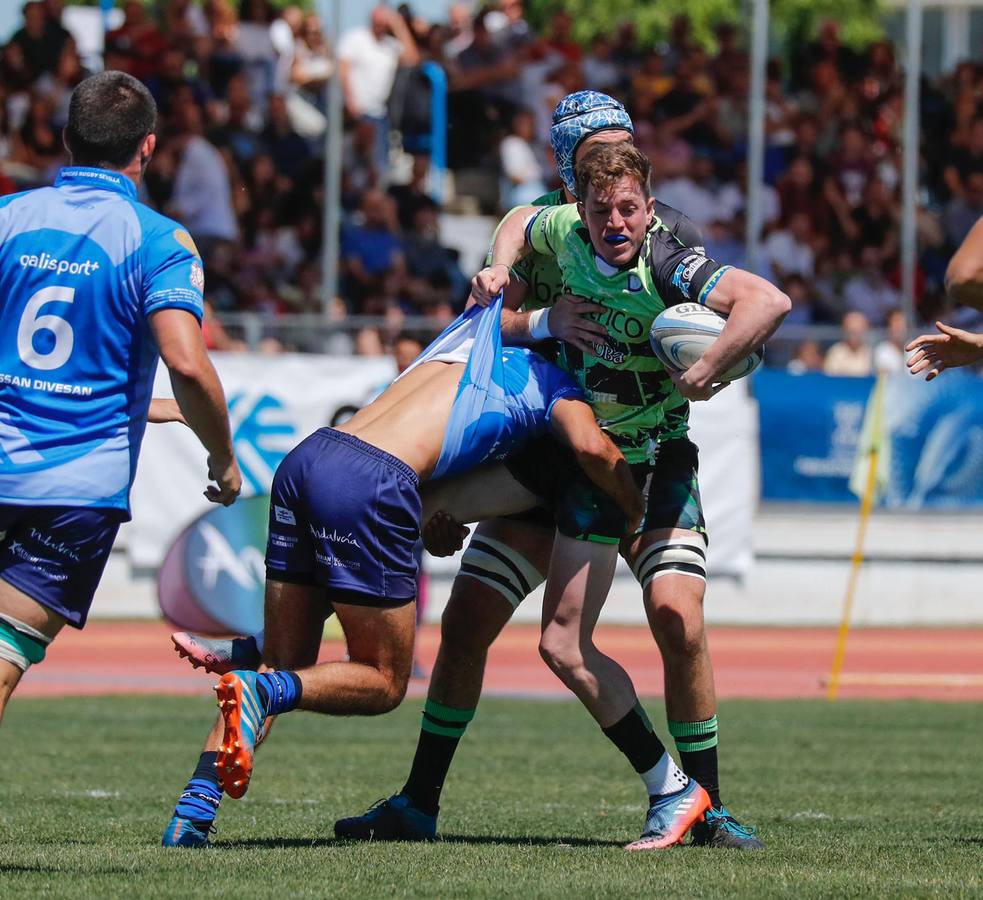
(853, 799)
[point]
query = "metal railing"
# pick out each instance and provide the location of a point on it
(314, 333)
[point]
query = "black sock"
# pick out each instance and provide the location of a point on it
(697, 746)
(440, 733)
(634, 736)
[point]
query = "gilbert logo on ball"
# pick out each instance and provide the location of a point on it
(681, 334)
(213, 578)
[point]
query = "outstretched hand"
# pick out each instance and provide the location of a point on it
(949, 349)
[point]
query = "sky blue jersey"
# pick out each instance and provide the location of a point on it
(82, 266)
(505, 396)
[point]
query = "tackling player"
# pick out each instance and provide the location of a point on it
(508, 557)
(345, 516)
(93, 286)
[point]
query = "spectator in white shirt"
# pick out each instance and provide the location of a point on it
(254, 46)
(789, 250)
(523, 179)
(693, 192)
(368, 59)
(889, 355)
(851, 356)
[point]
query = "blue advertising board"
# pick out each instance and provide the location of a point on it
(810, 428)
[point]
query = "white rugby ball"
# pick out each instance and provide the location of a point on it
(681, 334)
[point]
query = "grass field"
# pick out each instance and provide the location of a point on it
(854, 799)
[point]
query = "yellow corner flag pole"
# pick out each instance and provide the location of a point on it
(872, 438)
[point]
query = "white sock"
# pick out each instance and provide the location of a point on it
(665, 777)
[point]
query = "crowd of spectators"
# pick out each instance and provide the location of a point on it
(242, 98)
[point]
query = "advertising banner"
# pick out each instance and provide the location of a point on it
(810, 427)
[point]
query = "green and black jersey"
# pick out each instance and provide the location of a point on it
(630, 391)
(541, 272)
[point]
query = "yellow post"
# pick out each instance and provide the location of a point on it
(866, 504)
(872, 437)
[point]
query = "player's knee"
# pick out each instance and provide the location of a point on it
(679, 629)
(21, 646)
(392, 691)
(562, 654)
(461, 634)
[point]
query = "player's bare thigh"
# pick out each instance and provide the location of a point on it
(480, 495)
(295, 616)
(17, 605)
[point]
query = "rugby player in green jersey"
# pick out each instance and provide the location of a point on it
(611, 250)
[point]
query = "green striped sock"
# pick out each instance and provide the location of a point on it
(440, 731)
(697, 746)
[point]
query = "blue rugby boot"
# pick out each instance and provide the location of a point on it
(395, 819)
(244, 710)
(671, 816)
(181, 832)
(721, 829)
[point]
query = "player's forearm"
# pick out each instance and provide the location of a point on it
(510, 240)
(750, 322)
(606, 467)
(573, 422)
(201, 399)
(516, 327)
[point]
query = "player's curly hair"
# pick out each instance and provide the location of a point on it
(605, 164)
(109, 116)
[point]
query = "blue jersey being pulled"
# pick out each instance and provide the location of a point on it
(505, 395)
(82, 266)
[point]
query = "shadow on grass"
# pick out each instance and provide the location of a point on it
(477, 839)
(41, 869)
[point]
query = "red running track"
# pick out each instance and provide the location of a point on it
(137, 657)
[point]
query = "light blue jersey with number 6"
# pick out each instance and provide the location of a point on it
(82, 266)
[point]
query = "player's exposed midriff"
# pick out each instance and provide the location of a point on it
(409, 419)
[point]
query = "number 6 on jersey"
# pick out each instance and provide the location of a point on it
(31, 323)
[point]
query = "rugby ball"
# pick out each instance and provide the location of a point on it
(681, 334)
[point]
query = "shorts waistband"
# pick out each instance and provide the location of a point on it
(393, 462)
